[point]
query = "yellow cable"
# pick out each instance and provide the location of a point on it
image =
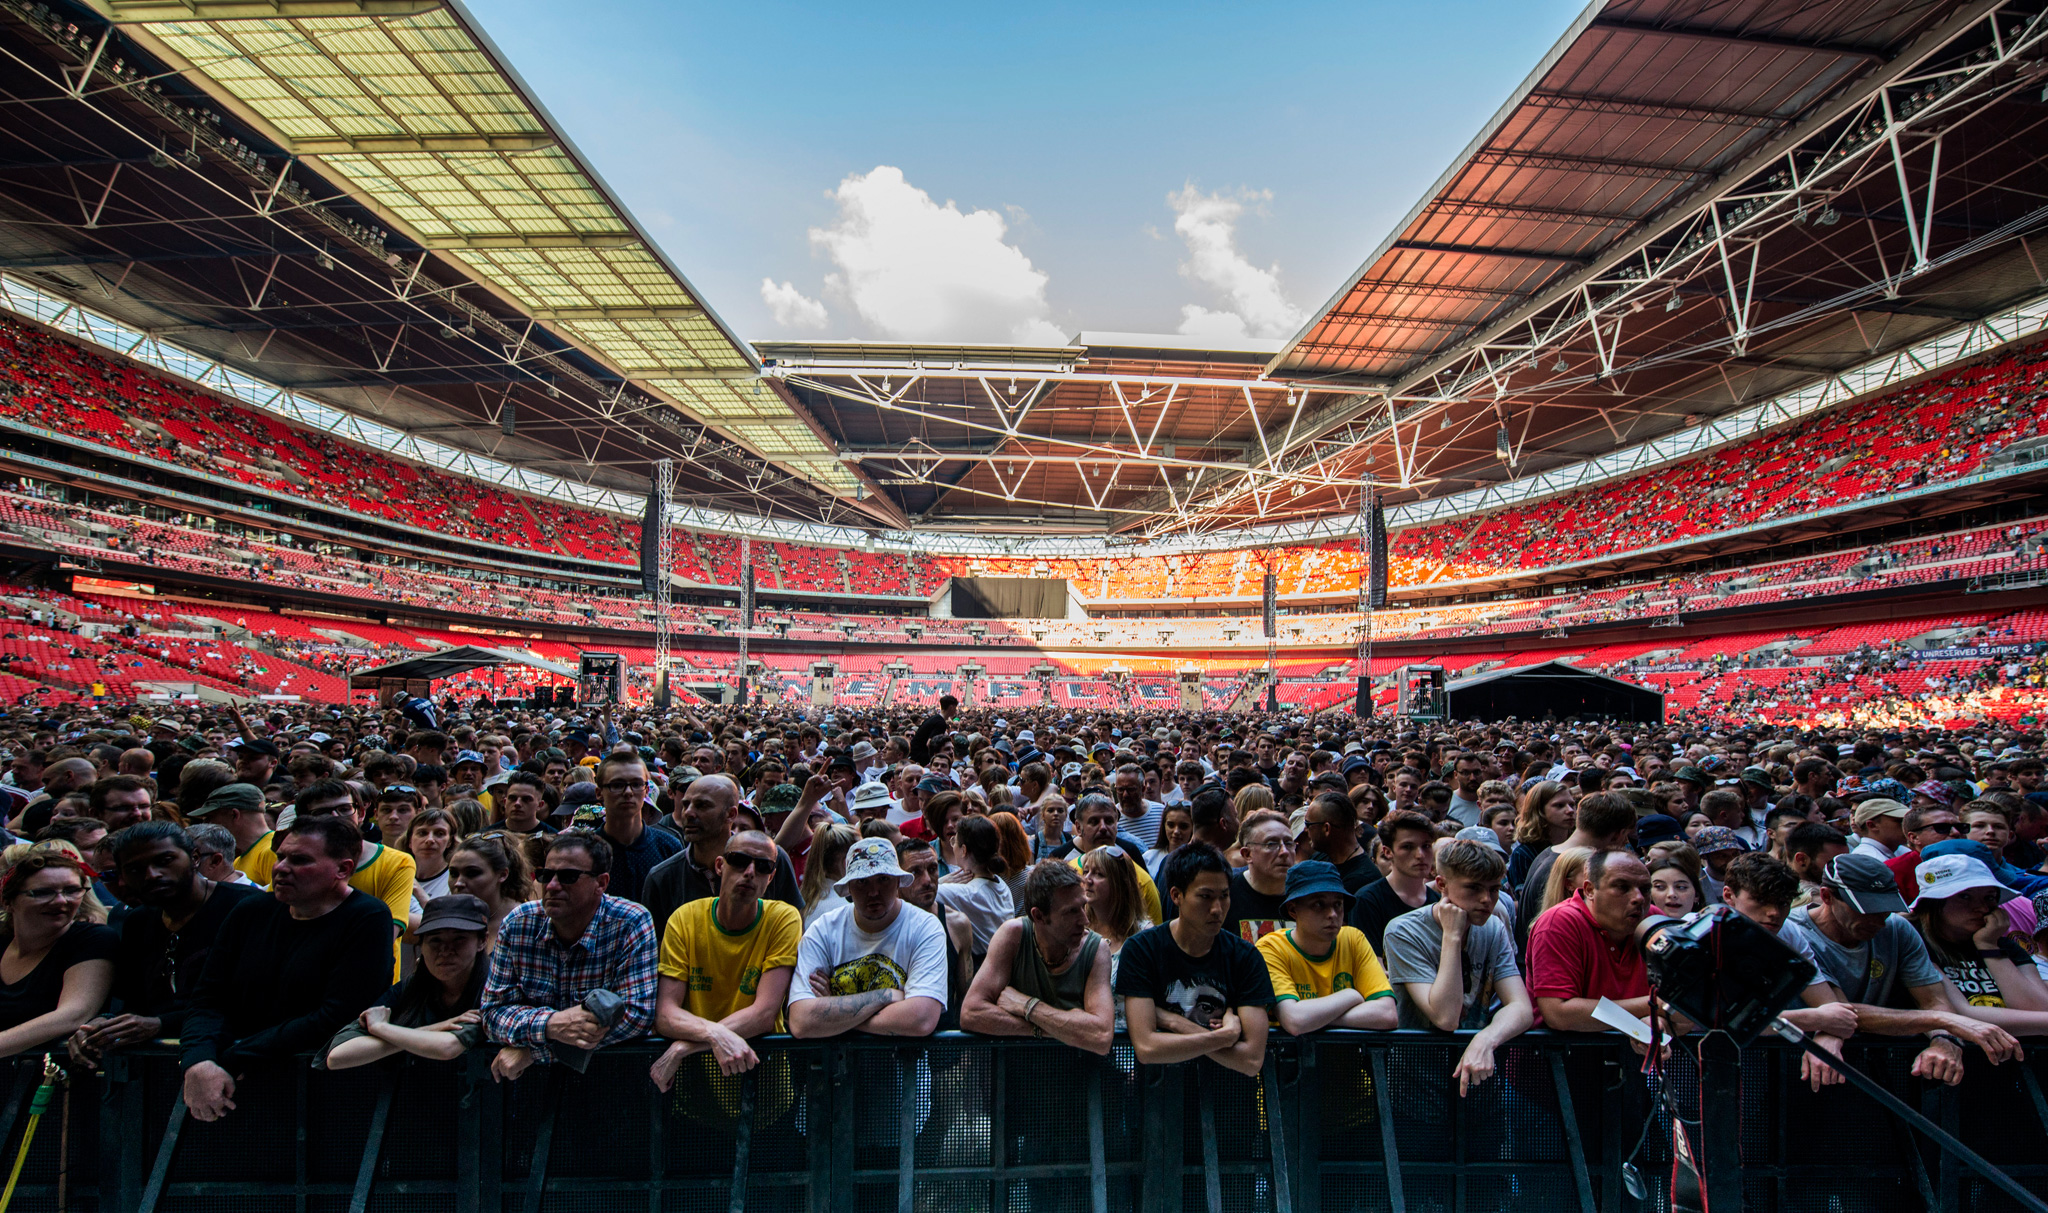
(21, 1157)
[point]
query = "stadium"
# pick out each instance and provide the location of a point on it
(1705, 389)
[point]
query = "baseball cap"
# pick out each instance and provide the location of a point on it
(454, 912)
(1480, 835)
(257, 745)
(1865, 883)
(1945, 876)
(871, 857)
(468, 758)
(1759, 777)
(1313, 876)
(1868, 811)
(1653, 828)
(932, 785)
(242, 797)
(1717, 838)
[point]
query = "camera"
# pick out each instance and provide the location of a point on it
(1722, 971)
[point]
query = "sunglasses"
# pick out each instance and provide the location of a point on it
(567, 877)
(1943, 827)
(740, 859)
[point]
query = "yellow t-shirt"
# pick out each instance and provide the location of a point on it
(721, 969)
(1350, 965)
(256, 862)
(1147, 891)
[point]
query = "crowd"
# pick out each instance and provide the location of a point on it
(347, 884)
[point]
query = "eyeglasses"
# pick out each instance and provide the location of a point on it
(45, 896)
(626, 785)
(1276, 845)
(765, 865)
(566, 877)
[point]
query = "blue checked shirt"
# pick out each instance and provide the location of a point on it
(534, 974)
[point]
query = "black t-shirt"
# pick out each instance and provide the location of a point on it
(1252, 914)
(1356, 872)
(1202, 988)
(275, 985)
(1529, 894)
(157, 972)
(39, 992)
(1379, 905)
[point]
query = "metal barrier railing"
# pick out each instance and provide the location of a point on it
(1339, 1121)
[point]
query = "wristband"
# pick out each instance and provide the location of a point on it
(1938, 1037)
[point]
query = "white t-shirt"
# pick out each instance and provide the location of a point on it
(829, 902)
(987, 905)
(908, 955)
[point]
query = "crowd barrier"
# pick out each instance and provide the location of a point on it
(1339, 1122)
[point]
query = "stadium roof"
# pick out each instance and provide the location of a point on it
(1692, 220)
(363, 202)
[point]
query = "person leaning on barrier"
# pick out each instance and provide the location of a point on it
(874, 964)
(1761, 887)
(706, 823)
(434, 1014)
(62, 965)
(1584, 949)
(286, 971)
(1854, 930)
(1324, 973)
(165, 941)
(1452, 962)
(1190, 989)
(1046, 974)
(726, 962)
(552, 954)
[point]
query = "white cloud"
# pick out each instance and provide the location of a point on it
(1254, 304)
(792, 308)
(916, 270)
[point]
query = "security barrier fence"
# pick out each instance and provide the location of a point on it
(1340, 1122)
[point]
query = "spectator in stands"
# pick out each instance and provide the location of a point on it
(164, 943)
(1046, 973)
(1324, 974)
(1407, 843)
(872, 965)
(1855, 930)
(286, 971)
(63, 963)
(636, 850)
(726, 962)
(1452, 961)
(1604, 821)
(1583, 948)
(436, 1014)
(1190, 988)
(574, 969)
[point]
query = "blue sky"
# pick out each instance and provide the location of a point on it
(1207, 168)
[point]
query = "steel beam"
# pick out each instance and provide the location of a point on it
(1694, 33)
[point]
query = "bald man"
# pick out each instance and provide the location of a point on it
(704, 816)
(137, 762)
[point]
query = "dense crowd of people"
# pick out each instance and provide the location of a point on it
(338, 886)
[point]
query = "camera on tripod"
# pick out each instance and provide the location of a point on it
(1722, 971)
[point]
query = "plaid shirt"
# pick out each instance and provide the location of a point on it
(533, 974)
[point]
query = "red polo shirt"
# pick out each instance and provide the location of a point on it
(1571, 957)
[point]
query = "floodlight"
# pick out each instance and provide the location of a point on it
(1675, 302)
(1829, 217)
(1560, 366)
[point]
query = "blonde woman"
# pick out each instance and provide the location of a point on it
(1116, 909)
(824, 865)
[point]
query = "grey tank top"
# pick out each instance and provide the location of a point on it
(1066, 992)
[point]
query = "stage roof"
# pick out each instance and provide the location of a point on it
(447, 663)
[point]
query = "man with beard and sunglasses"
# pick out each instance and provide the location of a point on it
(726, 962)
(165, 942)
(553, 953)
